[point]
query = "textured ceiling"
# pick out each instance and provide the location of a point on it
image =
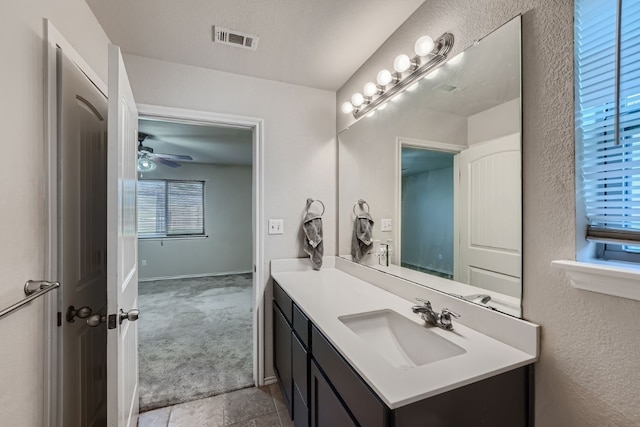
(316, 43)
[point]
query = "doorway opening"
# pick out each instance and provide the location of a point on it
(196, 260)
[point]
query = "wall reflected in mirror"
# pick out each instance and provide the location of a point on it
(442, 163)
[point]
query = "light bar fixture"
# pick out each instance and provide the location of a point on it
(407, 75)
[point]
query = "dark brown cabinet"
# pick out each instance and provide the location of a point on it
(323, 390)
(282, 355)
(326, 408)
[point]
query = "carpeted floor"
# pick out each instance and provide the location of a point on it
(195, 338)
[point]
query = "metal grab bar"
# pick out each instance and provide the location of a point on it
(32, 289)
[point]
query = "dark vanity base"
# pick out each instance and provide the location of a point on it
(321, 389)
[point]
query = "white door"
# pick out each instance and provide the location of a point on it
(490, 215)
(122, 257)
(82, 245)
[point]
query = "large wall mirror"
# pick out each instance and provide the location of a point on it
(440, 170)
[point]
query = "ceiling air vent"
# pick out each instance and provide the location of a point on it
(234, 38)
(446, 87)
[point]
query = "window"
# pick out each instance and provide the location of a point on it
(168, 208)
(607, 104)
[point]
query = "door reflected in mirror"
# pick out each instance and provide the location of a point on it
(443, 165)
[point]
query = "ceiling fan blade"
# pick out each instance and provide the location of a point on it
(167, 162)
(173, 156)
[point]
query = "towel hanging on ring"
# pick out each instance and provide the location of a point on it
(362, 239)
(313, 241)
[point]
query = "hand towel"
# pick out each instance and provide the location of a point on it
(313, 246)
(362, 239)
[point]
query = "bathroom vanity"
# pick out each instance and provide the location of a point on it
(348, 352)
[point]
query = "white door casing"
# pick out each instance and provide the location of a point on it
(490, 212)
(122, 246)
(447, 147)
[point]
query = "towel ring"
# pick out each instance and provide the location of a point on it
(310, 201)
(360, 203)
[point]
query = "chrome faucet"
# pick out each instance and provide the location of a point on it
(480, 298)
(441, 320)
(383, 254)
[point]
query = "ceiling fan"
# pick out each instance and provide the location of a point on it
(147, 159)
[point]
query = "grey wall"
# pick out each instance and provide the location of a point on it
(368, 157)
(229, 245)
(588, 373)
(299, 146)
(22, 201)
(495, 122)
(427, 220)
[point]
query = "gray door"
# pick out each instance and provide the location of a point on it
(82, 251)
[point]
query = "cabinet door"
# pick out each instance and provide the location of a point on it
(326, 408)
(300, 375)
(282, 354)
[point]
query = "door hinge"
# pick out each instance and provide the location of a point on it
(113, 321)
(59, 318)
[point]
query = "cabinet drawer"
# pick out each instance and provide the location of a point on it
(365, 406)
(301, 325)
(284, 302)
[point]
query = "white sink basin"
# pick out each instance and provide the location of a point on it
(401, 342)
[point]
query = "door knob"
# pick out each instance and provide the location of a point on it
(80, 313)
(96, 319)
(131, 315)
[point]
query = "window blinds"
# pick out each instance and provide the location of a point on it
(151, 208)
(185, 207)
(170, 208)
(607, 55)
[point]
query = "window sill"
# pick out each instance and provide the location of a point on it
(147, 239)
(605, 277)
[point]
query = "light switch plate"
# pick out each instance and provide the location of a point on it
(276, 226)
(385, 224)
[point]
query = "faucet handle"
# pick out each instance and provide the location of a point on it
(446, 312)
(444, 319)
(424, 301)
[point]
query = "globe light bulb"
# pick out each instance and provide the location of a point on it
(424, 46)
(370, 89)
(384, 77)
(357, 99)
(402, 63)
(432, 75)
(347, 107)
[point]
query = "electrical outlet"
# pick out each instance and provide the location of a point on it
(385, 224)
(144, 263)
(276, 226)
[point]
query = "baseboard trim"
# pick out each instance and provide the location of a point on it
(192, 276)
(270, 380)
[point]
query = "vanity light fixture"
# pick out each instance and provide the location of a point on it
(408, 72)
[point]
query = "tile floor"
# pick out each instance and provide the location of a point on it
(249, 407)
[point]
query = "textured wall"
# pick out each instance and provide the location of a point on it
(227, 223)
(588, 373)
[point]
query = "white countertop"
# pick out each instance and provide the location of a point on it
(330, 293)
